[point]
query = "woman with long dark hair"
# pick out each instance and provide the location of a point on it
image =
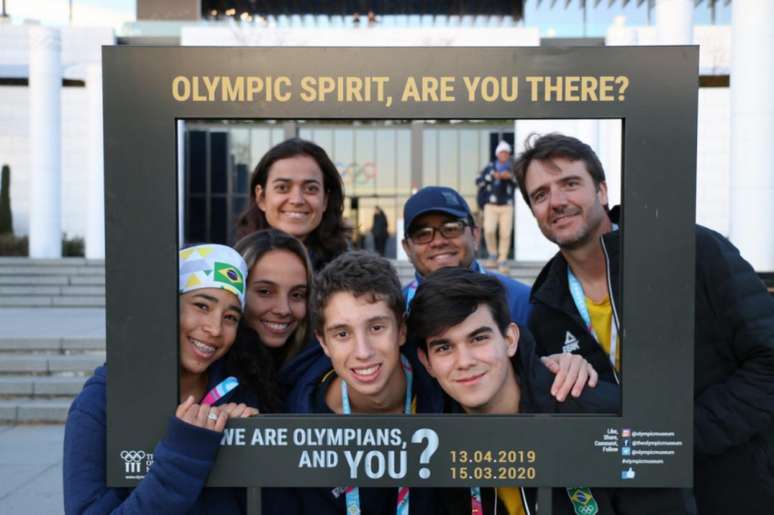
(296, 188)
(276, 321)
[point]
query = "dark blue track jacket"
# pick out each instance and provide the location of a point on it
(175, 481)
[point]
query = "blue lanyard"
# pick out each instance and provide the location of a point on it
(579, 298)
(353, 492)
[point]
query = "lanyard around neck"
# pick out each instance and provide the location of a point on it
(579, 298)
(353, 492)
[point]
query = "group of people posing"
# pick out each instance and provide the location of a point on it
(291, 321)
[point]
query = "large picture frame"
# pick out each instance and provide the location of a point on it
(653, 90)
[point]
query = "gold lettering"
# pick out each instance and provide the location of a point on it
(177, 82)
(233, 92)
(589, 89)
(282, 95)
(254, 87)
(410, 91)
(471, 87)
(534, 83)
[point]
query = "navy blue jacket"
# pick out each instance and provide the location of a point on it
(733, 367)
(535, 382)
(516, 294)
(495, 191)
(173, 484)
(307, 396)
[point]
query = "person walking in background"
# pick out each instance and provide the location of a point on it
(497, 185)
(379, 230)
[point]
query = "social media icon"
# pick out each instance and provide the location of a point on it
(626, 451)
(628, 474)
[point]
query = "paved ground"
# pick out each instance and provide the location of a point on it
(52, 322)
(31, 469)
(31, 456)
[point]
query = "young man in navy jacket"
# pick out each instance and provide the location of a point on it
(487, 366)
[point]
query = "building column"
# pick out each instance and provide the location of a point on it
(95, 215)
(674, 22)
(752, 127)
(45, 87)
(618, 34)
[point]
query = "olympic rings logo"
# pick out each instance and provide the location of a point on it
(132, 456)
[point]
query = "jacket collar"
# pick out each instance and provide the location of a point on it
(551, 286)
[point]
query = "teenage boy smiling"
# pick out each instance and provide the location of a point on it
(361, 329)
(488, 366)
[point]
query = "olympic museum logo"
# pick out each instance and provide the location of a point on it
(136, 463)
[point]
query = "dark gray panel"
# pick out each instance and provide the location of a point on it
(659, 113)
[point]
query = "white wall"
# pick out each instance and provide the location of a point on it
(80, 46)
(713, 160)
(15, 151)
(252, 35)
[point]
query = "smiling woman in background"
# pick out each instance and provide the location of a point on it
(296, 188)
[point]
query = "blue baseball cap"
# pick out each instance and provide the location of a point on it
(434, 199)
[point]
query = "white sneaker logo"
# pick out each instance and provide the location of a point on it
(570, 343)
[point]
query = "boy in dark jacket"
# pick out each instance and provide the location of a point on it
(360, 369)
(486, 365)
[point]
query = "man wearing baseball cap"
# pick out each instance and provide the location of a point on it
(440, 232)
(496, 186)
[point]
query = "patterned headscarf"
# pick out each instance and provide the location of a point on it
(212, 266)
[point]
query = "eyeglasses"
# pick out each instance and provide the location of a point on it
(449, 230)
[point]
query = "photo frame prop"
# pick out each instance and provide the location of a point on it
(653, 90)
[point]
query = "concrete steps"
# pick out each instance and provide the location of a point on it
(34, 411)
(65, 282)
(39, 377)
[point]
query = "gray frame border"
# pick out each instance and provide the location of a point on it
(660, 120)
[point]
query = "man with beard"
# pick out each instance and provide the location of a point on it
(575, 310)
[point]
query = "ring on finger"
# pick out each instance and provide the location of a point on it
(213, 415)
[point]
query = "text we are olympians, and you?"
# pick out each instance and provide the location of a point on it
(314, 437)
(388, 457)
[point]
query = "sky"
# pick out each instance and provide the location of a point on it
(111, 13)
(561, 22)
(555, 21)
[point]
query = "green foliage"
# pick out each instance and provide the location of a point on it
(73, 247)
(10, 245)
(6, 218)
